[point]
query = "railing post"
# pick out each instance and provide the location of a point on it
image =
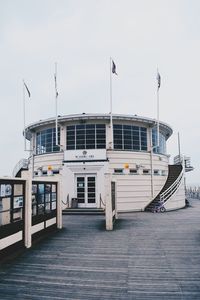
(116, 213)
(108, 214)
(28, 212)
(59, 206)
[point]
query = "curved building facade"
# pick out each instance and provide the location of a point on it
(88, 150)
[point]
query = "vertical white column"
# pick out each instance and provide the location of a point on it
(116, 213)
(59, 205)
(109, 218)
(28, 212)
(24, 115)
(62, 138)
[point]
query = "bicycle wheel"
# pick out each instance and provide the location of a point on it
(162, 209)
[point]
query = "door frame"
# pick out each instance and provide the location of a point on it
(86, 204)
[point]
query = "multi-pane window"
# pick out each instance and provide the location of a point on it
(44, 198)
(46, 141)
(162, 142)
(129, 137)
(86, 136)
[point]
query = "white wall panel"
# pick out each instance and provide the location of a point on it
(10, 240)
(50, 222)
(37, 227)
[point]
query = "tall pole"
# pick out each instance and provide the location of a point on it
(32, 163)
(158, 109)
(179, 148)
(111, 117)
(158, 120)
(158, 134)
(24, 114)
(24, 110)
(56, 103)
(151, 163)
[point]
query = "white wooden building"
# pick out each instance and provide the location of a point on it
(88, 150)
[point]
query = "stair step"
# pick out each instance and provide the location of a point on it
(174, 171)
(83, 211)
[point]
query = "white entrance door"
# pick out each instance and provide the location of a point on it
(86, 190)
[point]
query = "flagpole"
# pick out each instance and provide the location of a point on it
(158, 117)
(56, 104)
(158, 110)
(24, 115)
(111, 117)
(158, 134)
(179, 148)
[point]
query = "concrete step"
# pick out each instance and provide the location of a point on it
(83, 211)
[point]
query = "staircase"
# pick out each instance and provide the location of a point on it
(83, 211)
(171, 185)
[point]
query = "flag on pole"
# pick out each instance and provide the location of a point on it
(29, 94)
(158, 79)
(114, 68)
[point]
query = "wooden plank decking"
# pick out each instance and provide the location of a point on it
(147, 256)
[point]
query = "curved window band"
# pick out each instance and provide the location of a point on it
(93, 136)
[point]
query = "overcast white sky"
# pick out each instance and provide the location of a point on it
(81, 35)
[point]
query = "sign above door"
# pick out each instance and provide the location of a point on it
(86, 154)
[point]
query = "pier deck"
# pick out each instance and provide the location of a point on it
(147, 256)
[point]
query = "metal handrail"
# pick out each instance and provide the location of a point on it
(171, 190)
(23, 163)
(101, 201)
(67, 201)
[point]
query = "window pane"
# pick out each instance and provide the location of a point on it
(128, 137)
(53, 205)
(46, 141)
(117, 132)
(90, 126)
(162, 142)
(101, 146)
(70, 128)
(70, 138)
(17, 215)
(18, 202)
(4, 218)
(86, 136)
(80, 127)
(102, 126)
(116, 126)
